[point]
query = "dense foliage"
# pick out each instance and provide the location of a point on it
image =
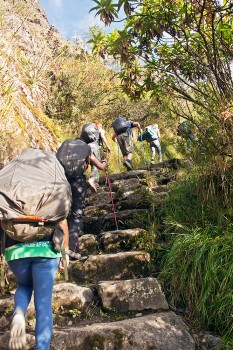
(83, 88)
(180, 53)
(183, 49)
(198, 268)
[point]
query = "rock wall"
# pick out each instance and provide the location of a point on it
(29, 46)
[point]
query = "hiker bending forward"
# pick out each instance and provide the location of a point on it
(77, 180)
(124, 136)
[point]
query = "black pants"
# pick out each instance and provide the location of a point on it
(75, 221)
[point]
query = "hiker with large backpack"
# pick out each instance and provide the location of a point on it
(152, 136)
(123, 135)
(94, 135)
(75, 156)
(35, 199)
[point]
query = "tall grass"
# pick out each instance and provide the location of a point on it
(199, 274)
(203, 198)
(198, 270)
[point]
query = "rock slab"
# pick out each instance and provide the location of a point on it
(162, 331)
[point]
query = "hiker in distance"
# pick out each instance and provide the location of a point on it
(124, 137)
(186, 130)
(94, 135)
(155, 145)
(75, 156)
(34, 183)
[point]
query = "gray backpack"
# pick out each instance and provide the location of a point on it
(73, 155)
(90, 133)
(34, 195)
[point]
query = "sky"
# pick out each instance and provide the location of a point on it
(72, 17)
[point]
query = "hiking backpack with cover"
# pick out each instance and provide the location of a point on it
(90, 133)
(120, 125)
(150, 134)
(73, 155)
(34, 195)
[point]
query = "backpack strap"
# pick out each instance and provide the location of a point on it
(3, 264)
(29, 218)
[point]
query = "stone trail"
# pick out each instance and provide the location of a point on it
(113, 300)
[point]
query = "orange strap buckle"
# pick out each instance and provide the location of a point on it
(30, 218)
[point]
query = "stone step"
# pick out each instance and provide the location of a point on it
(130, 218)
(122, 240)
(122, 296)
(127, 185)
(66, 297)
(117, 298)
(164, 180)
(132, 295)
(139, 199)
(114, 296)
(116, 241)
(108, 267)
(142, 173)
(88, 245)
(163, 331)
(102, 197)
(97, 210)
(170, 164)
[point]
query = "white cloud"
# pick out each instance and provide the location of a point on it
(86, 22)
(56, 4)
(89, 20)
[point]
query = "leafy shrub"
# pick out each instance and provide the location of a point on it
(198, 268)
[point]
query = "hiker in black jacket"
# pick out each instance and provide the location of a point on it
(75, 156)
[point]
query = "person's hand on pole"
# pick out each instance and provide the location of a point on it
(61, 263)
(105, 161)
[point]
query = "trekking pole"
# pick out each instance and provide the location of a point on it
(118, 156)
(143, 150)
(110, 193)
(3, 265)
(107, 158)
(64, 263)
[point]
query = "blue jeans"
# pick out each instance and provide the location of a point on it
(36, 274)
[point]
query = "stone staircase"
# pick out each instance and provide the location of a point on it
(113, 300)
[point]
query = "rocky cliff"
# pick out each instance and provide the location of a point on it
(29, 46)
